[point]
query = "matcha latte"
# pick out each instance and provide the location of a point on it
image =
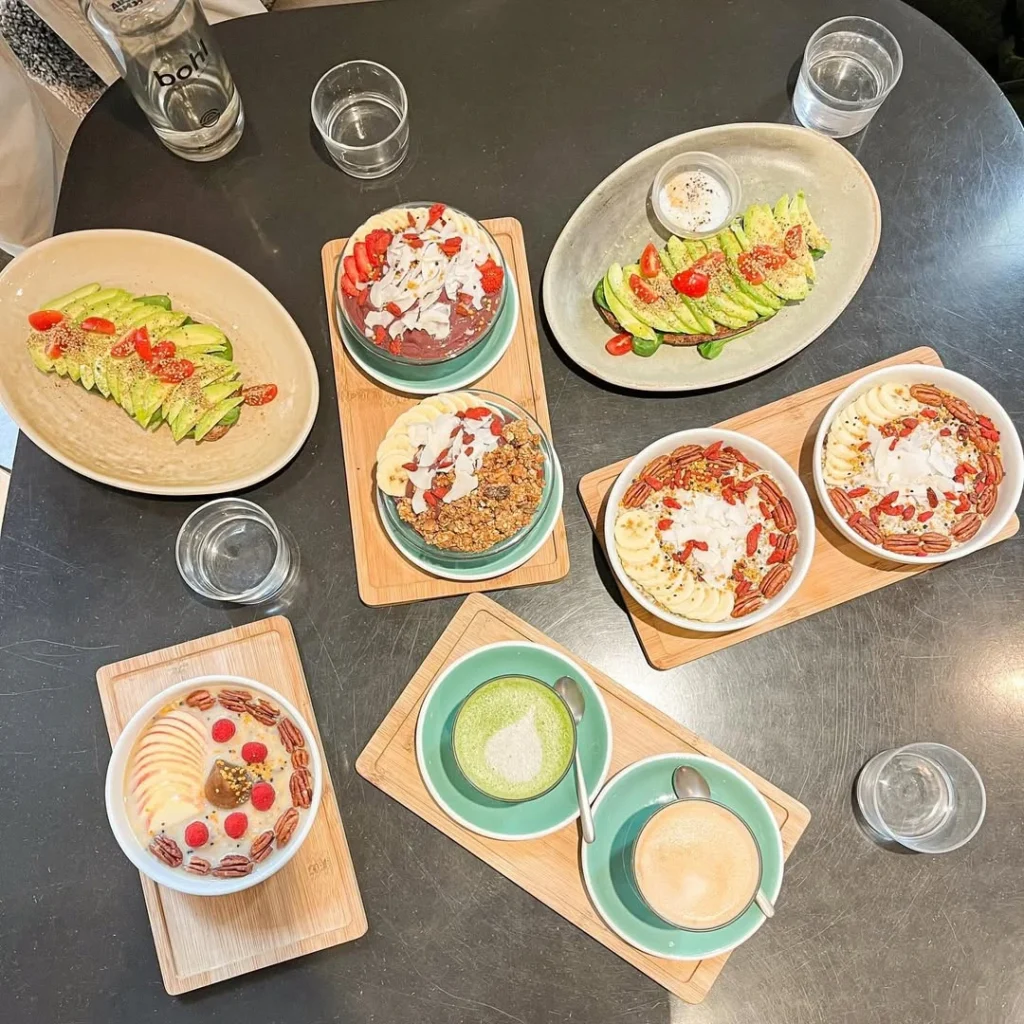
(514, 738)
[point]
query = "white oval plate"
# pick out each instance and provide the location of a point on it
(92, 435)
(614, 223)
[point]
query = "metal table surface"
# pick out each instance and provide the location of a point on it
(521, 108)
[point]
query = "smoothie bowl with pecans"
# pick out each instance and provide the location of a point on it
(213, 785)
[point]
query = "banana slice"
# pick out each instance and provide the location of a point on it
(629, 557)
(645, 572)
(634, 530)
(396, 443)
(391, 474)
(686, 606)
(445, 403)
(462, 400)
(843, 437)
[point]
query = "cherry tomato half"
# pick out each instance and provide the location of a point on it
(649, 262)
(770, 257)
(174, 371)
(259, 394)
(164, 350)
(691, 283)
(140, 342)
(619, 345)
(749, 268)
(44, 319)
(99, 325)
(794, 242)
(644, 292)
(54, 350)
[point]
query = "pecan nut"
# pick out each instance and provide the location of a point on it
(982, 443)
(966, 527)
(290, 735)
(636, 494)
(935, 543)
(787, 547)
(902, 543)
(986, 499)
(746, 603)
(166, 849)
(201, 699)
(784, 516)
(263, 711)
(926, 394)
(261, 846)
(198, 866)
(841, 502)
(300, 785)
(685, 455)
(769, 491)
(234, 865)
(992, 467)
(300, 757)
(659, 468)
(284, 827)
(775, 579)
(860, 523)
(960, 409)
(235, 700)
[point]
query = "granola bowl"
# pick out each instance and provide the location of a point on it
(918, 464)
(213, 785)
(421, 284)
(709, 530)
(468, 485)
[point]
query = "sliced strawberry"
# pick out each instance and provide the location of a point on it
(351, 270)
(413, 240)
(435, 213)
(451, 246)
(362, 261)
(349, 287)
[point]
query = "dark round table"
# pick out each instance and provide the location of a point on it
(520, 108)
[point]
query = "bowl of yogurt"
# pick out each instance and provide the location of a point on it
(696, 194)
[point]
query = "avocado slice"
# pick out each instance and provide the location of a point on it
(663, 308)
(627, 321)
(655, 314)
(730, 245)
(163, 301)
(63, 301)
(210, 419)
(205, 335)
(731, 288)
(40, 358)
(98, 300)
(759, 228)
(800, 214)
(85, 376)
(99, 373)
(720, 296)
(714, 307)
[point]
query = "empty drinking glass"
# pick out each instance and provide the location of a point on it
(231, 550)
(362, 113)
(850, 66)
(924, 796)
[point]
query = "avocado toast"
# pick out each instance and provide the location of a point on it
(152, 360)
(705, 292)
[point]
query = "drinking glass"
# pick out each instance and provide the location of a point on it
(850, 66)
(924, 796)
(362, 113)
(231, 550)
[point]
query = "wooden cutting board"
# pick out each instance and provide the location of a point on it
(548, 867)
(313, 902)
(367, 409)
(840, 571)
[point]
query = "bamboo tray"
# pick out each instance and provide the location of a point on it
(367, 409)
(548, 868)
(840, 571)
(313, 902)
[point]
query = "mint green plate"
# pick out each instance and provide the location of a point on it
(434, 378)
(623, 808)
(450, 789)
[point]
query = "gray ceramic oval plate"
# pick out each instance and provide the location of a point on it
(94, 436)
(615, 222)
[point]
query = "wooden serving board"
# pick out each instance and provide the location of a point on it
(548, 868)
(367, 409)
(840, 571)
(313, 902)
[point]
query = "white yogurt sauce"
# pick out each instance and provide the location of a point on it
(695, 201)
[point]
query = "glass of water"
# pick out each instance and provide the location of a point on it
(231, 550)
(362, 113)
(850, 66)
(924, 796)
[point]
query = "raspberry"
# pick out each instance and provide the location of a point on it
(262, 796)
(223, 729)
(254, 752)
(196, 835)
(235, 824)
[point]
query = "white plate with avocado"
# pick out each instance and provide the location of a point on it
(150, 363)
(804, 197)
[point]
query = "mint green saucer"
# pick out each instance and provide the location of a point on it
(623, 808)
(433, 378)
(453, 792)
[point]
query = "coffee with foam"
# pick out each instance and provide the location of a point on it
(696, 864)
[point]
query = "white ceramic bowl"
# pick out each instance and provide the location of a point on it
(771, 462)
(965, 388)
(176, 878)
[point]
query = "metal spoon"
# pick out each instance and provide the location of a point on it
(688, 783)
(571, 692)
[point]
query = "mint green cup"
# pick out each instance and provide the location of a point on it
(464, 802)
(461, 723)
